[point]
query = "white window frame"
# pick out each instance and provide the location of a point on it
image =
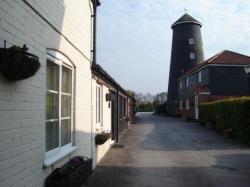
(199, 76)
(180, 105)
(192, 55)
(187, 82)
(99, 106)
(191, 41)
(187, 104)
(59, 152)
(180, 84)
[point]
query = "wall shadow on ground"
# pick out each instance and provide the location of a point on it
(215, 175)
(134, 165)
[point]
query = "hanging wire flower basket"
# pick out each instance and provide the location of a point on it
(17, 64)
(102, 138)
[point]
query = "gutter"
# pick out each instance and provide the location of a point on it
(95, 3)
(93, 10)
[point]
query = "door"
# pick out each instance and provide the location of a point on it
(114, 116)
(196, 103)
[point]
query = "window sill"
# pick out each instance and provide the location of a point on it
(64, 152)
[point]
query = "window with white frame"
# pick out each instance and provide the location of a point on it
(180, 84)
(199, 76)
(187, 104)
(186, 82)
(180, 105)
(191, 41)
(58, 105)
(192, 55)
(98, 104)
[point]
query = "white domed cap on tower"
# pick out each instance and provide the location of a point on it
(185, 19)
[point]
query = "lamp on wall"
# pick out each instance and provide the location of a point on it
(247, 68)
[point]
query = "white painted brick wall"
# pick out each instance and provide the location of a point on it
(22, 103)
(101, 150)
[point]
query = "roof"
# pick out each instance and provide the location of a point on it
(96, 68)
(186, 18)
(223, 58)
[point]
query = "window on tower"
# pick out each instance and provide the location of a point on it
(192, 56)
(191, 41)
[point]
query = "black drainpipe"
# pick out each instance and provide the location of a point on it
(96, 3)
(118, 120)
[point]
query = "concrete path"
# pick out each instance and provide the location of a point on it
(164, 151)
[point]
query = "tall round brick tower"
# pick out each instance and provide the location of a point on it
(187, 51)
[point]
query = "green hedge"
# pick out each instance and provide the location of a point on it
(161, 109)
(229, 115)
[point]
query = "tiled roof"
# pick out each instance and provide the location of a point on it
(224, 58)
(96, 68)
(186, 18)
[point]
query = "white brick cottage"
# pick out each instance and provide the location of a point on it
(47, 118)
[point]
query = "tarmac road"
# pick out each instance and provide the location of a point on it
(168, 152)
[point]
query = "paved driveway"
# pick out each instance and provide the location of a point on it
(164, 151)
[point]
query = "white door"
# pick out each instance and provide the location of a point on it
(196, 107)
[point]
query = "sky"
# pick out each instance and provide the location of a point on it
(134, 36)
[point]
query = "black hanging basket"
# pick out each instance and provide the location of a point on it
(102, 138)
(17, 64)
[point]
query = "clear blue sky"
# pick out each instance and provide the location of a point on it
(134, 36)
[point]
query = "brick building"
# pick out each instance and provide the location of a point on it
(221, 76)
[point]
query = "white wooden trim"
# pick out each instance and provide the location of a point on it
(196, 106)
(67, 94)
(203, 93)
(52, 91)
(59, 152)
(64, 118)
(51, 120)
(57, 155)
(199, 69)
(54, 55)
(60, 104)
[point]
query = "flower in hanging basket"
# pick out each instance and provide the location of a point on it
(102, 138)
(17, 64)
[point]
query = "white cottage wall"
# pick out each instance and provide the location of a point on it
(62, 25)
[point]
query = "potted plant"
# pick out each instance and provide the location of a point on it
(102, 137)
(17, 64)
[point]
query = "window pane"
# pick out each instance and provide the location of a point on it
(66, 106)
(52, 71)
(51, 105)
(52, 133)
(191, 41)
(66, 80)
(65, 131)
(98, 104)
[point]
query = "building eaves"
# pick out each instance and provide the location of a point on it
(98, 70)
(185, 19)
(225, 57)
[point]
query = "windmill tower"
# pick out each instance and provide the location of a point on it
(187, 51)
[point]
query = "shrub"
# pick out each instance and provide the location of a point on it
(161, 109)
(230, 115)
